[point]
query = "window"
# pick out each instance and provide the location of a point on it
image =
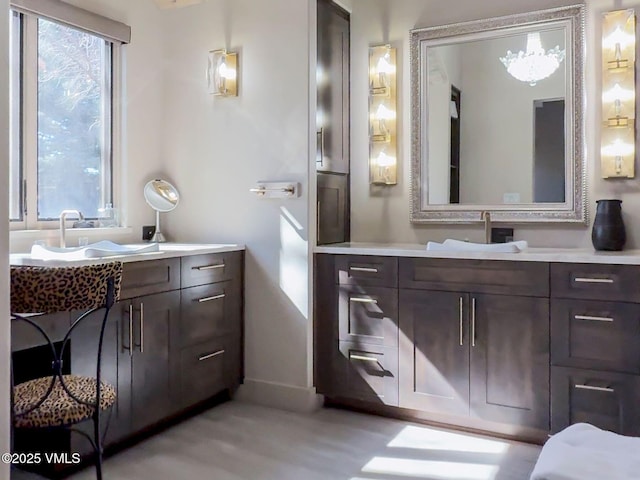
(62, 97)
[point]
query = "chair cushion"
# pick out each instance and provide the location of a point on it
(59, 409)
(62, 289)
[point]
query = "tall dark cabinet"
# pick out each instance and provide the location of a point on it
(332, 154)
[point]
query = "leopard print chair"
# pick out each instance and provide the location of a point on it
(64, 400)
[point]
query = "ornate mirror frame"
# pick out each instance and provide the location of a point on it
(574, 209)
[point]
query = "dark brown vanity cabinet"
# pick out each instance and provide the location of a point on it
(357, 342)
(173, 341)
(467, 340)
(595, 340)
(479, 354)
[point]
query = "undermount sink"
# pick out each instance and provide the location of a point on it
(451, 245)
(101, 249)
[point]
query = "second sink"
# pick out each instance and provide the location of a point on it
(451, 245)
(100, 249)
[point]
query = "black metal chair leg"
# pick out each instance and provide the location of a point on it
(98, 444)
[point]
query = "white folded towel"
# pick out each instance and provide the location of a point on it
(450, 245)
(584, 452)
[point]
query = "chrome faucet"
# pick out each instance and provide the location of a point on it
(63, 217)
(486, 216)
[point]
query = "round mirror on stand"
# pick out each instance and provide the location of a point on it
(162, 197)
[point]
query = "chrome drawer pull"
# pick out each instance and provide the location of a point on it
(363, 358)
(363, 300)
(211, 355)
(597, 389)
(209, 299)
(592, 280)
(208, 267)
(592, 318)
(363, 269)
(461, 323)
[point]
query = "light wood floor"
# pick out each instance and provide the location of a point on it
(237, 441)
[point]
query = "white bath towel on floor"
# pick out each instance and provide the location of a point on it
(584, 452)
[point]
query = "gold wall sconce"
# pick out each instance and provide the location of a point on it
(383, 162)
(222, 73)
(617, 154)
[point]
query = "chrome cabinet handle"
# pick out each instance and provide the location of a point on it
(141, 327)
(210, 355)
(130, 347)
(597, 389)
(593, 318)
(363, 269)
(208, 267)
(473, 322)
(363, 358)
(320, 133)
(461, 322)
(592, 280)
(363, 300)
(209, 299)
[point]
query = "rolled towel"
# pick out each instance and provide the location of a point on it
(584, 452)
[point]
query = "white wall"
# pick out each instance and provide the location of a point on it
(383, 215)
(216, 149)
(5, 330)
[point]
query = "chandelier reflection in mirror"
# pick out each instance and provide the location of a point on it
(535, 64)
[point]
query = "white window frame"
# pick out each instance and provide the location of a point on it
(28, 123)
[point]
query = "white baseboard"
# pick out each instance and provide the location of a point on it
(279, 395)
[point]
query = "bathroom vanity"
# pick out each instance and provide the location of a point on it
(174, 340)
(516, 344)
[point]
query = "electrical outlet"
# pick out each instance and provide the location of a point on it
(148, 232)
(501, 235)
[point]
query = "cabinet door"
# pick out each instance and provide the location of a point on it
(434, 351)
(333, 91)
(116, 369)
(332, 208)
(604, 399)
(154, 362)
(510, 360)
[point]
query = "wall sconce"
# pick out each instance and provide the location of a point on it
(222, 73)
(382, 116)
(617, 154)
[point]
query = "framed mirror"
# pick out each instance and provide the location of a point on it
(497, 119)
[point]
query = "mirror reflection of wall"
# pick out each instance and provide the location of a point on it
(508, 135)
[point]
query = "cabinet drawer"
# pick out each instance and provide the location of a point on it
(210, 268)
(368, 315)
(595, 282)
(150, 276)
(206, 369)
(208, 311)
(364, 270)
(529, 279)
(598, 335)
(606, 400)
(368, 373)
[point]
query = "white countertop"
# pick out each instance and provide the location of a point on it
(167, 250)
(560, 255)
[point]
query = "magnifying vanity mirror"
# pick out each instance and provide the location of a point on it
(497, 119)
(162, 197)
